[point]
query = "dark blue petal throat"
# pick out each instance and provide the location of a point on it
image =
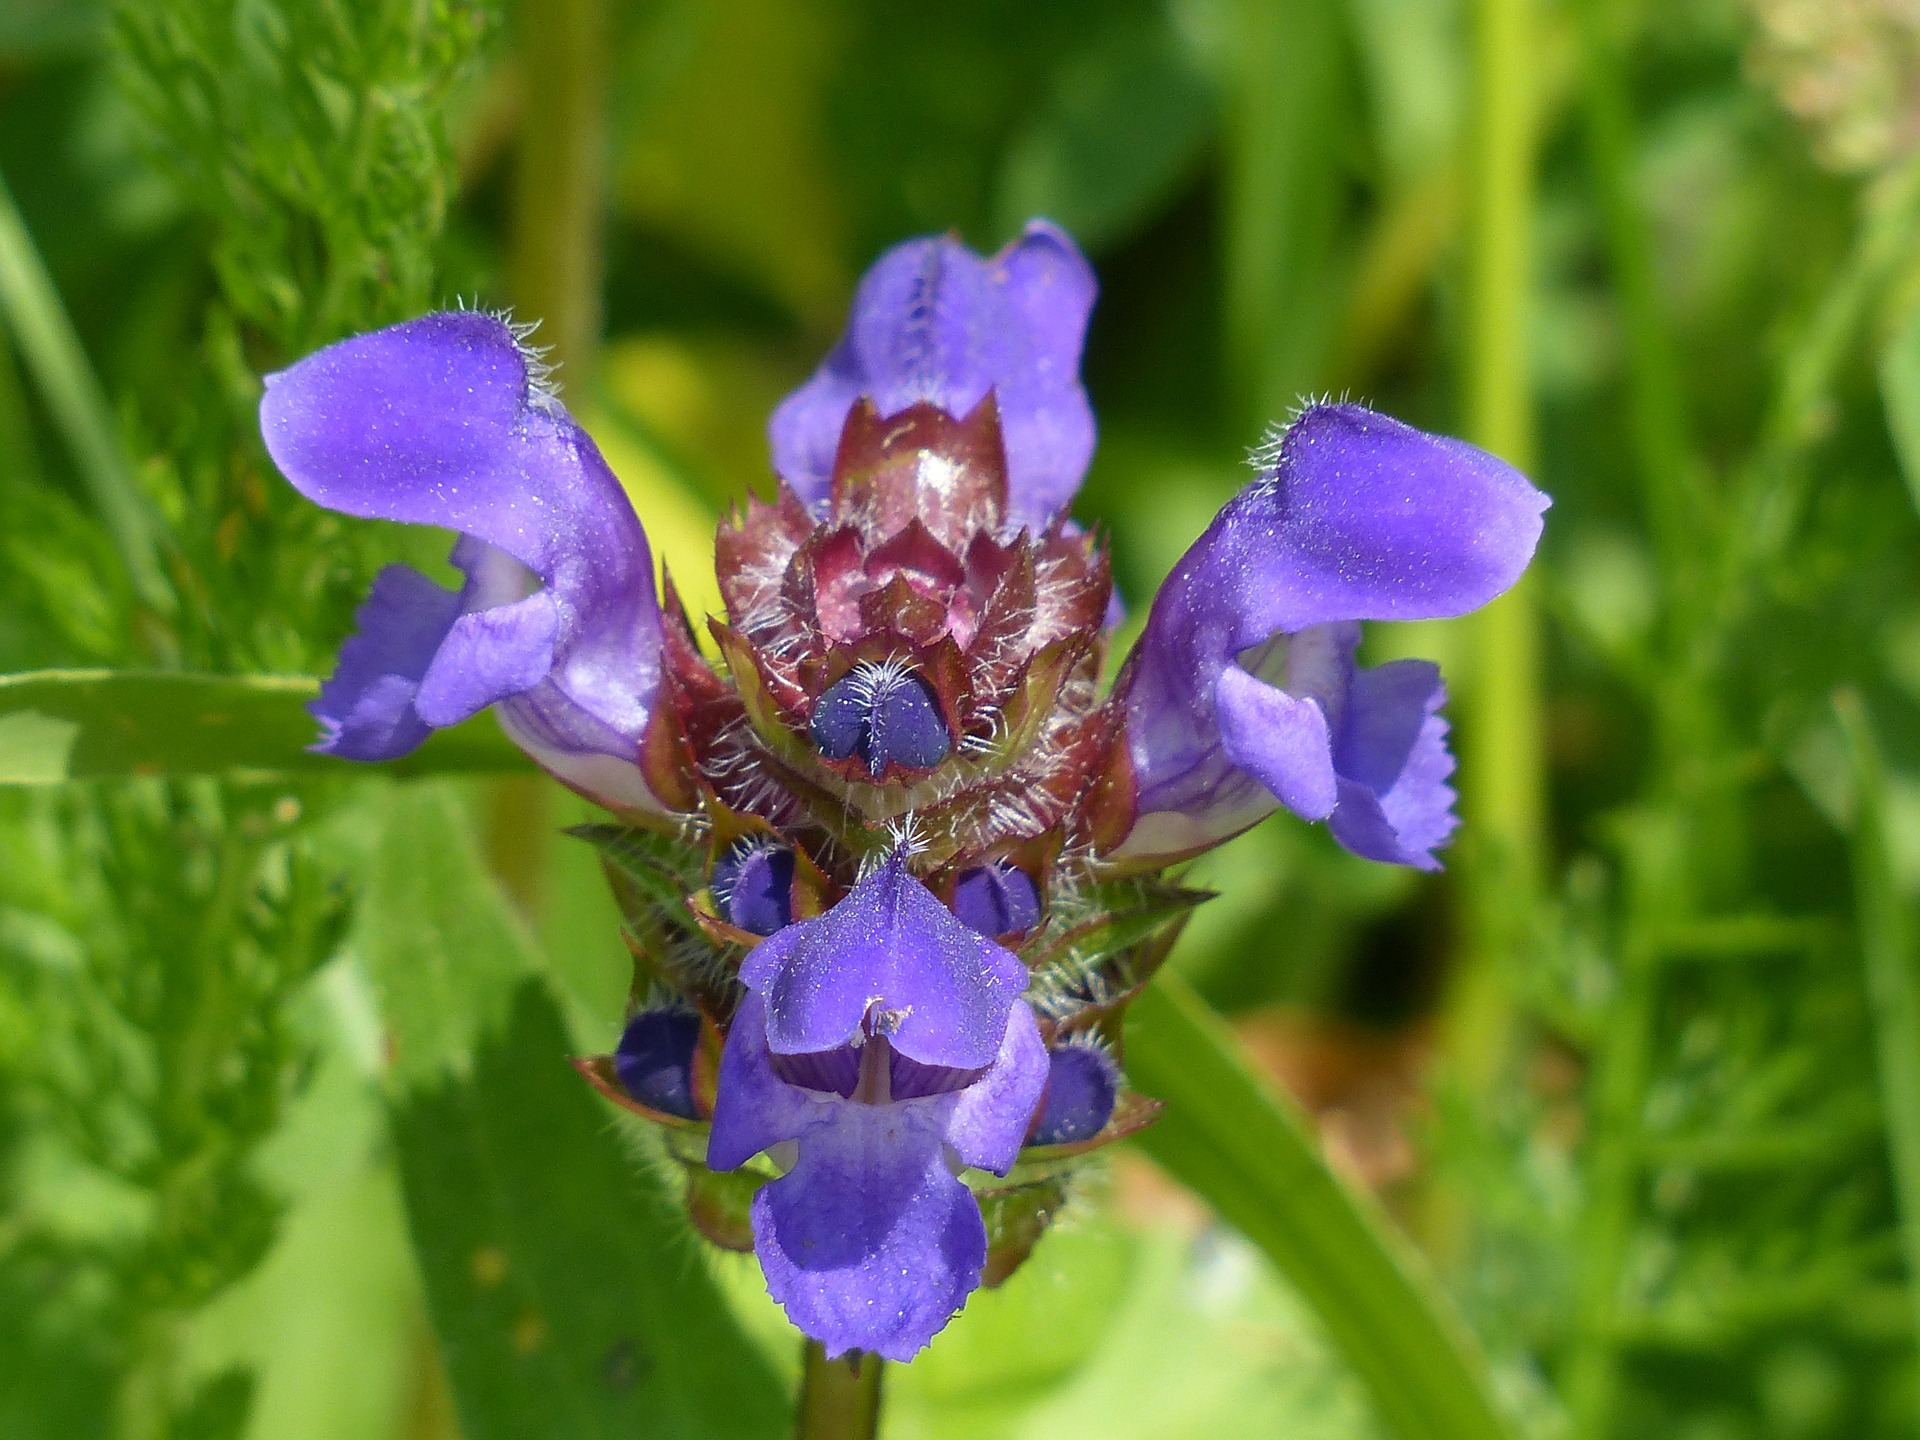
(883, 715)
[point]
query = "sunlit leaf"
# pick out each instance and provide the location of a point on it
(440, 946)
(566, 1294)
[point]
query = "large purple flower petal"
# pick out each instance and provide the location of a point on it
(933, 321)
(1358, 517)
(439, 422)
(870, 1241)
(888, 947)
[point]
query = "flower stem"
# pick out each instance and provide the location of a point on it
(1283, 90)
(839, 1399)
(555, 257)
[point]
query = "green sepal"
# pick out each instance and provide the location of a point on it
(652, 874)
(1016, 1217)
(1102, 941)
(655, 878)
(719, 1202)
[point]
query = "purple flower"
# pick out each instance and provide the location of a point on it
(934, 322)
(889, 1043)
(896, 657)
(1243, 691)
(441, 421)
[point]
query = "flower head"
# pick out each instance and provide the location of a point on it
(887, 849)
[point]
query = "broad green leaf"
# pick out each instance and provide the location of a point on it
(61, 725)
(339, 1269)
(1132, 1335)
(1252, 1156)
(437, 939)
(1900, 396)
(566, 1296)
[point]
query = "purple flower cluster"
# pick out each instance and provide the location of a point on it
(902, 769)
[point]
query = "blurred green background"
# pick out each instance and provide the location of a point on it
(1639, 1075)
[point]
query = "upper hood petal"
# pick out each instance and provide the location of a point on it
(934, 322)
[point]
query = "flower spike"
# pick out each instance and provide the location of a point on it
(897, 761)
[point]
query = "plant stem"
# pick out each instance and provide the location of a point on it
(1504, 763)
(1672, 498)
(555, 262)
(31, 308)
(554, 272)
(839, 1399)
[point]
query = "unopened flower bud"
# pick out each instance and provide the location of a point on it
(997, 899)
(655, 1059)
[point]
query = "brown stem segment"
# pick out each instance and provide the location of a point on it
(839, 1399)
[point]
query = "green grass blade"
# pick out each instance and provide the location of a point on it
(33, 312)
(1885, 920)
(1244, 1148)
(63, 725)
(1900, 398)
